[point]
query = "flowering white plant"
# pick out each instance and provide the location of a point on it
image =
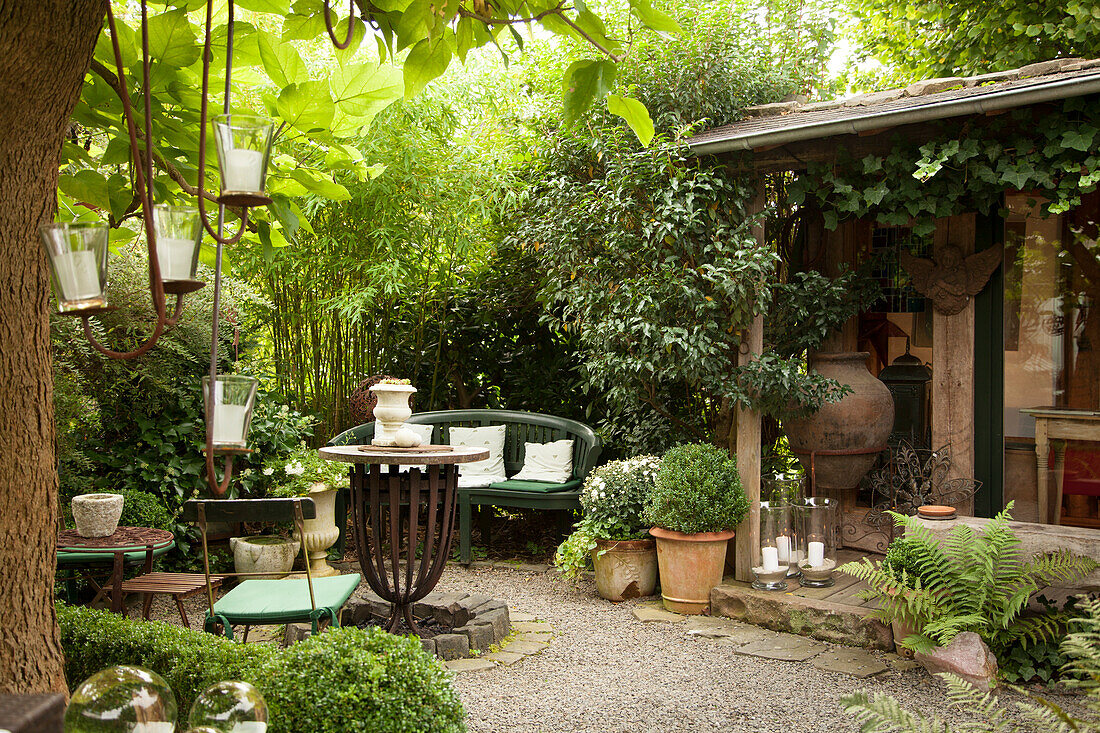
(613, 498)
(303, 471)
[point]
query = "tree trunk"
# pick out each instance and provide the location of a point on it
(45, 49)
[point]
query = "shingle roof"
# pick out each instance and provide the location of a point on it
(784, 122)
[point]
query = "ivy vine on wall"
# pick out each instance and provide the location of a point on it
(1053, 152)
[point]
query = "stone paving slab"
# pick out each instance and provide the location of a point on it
(505, 658)
(517, 616)
(715, 628)
(786, 647)
(648, 614)
(525, 647)
(901, 664)
(469, 665)
(535, 626)
(854, 662)
(531, 636)
(742, 636)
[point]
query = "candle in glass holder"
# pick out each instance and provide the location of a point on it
(229, 423)
(815, 554)
(783, 545)
(770, 556)
(243, 170)
(77, 275)
(175, 257)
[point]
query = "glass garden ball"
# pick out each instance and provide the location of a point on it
(122, 699)
(230, 707)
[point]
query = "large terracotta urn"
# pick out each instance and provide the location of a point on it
(860, 421)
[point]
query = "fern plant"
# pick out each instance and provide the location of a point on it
(976, 581)
(880, 713)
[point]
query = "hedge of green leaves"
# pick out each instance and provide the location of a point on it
(698, 489)
(342, 680)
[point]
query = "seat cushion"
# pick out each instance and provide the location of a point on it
(285, 599)
(538, 487)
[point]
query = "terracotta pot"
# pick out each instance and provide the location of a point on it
(862, 420)
(625, 568)
(690, 565)
(901, 630)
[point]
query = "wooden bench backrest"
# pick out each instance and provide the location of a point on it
(521, 427)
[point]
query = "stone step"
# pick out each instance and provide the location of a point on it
(813, 617)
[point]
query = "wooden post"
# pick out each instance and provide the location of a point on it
(748, 434)
(843, 246)
(953, 364)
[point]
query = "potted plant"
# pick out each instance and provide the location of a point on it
(612, 533)
(303, 473)
(902, 563)
(695, 503)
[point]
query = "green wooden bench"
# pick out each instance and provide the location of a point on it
(522, 427)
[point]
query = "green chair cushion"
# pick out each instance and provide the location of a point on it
(266, 601)
(132, 557)
(539, 487)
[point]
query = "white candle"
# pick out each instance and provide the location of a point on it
(175, 257)
(77, 275)
(783, 543)
(771, 559)
(816, 554)
(243, 170)
(229, 423)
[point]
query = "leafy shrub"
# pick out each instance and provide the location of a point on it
(973, 581)
(698, 489)
(903, 561)
(341, 680)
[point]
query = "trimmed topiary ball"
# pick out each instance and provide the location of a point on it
(698, 489)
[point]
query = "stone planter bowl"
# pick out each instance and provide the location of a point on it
(97, 515)
(264, 554)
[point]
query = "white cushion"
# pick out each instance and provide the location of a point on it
(549, 462)
(425, 433)
(474, 482)
(489, 470)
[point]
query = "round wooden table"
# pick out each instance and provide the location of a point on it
(387, 510)
(127, 544)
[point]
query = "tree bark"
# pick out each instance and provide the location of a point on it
(45, 49)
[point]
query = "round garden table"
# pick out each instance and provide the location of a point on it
(387, 510)
(128, 545)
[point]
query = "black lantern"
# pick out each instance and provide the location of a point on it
(909, 381)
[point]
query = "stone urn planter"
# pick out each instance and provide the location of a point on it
(690, 566)
(861, 421)
(97, 515)
(625, 568)
(321, 532)
(391, 412)
(264, 554)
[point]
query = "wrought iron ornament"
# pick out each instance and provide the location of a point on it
(913, 477)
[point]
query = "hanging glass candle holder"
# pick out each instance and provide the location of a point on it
(771, 560)
(78, 264)
(229, 707)
(234, 397)
(817, 541)
(122, 699)
(785, 488)
(244, 149)
(179, 233)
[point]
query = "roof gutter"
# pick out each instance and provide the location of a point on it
(993, 102)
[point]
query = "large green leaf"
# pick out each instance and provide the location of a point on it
(281, 62)
(635, 114)
(320, 184)
(654, 18)
(416, 23)
(87, 187)
(282, 7)
(306, 106)
(172, 42)
(360, 92)
(585, 81)
(427, 60)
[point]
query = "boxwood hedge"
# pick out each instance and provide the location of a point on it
(342, 680)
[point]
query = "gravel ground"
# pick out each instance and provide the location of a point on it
(607, 672)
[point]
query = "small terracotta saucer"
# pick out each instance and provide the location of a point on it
(936, 511)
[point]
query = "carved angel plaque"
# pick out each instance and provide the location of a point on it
(951, 280)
